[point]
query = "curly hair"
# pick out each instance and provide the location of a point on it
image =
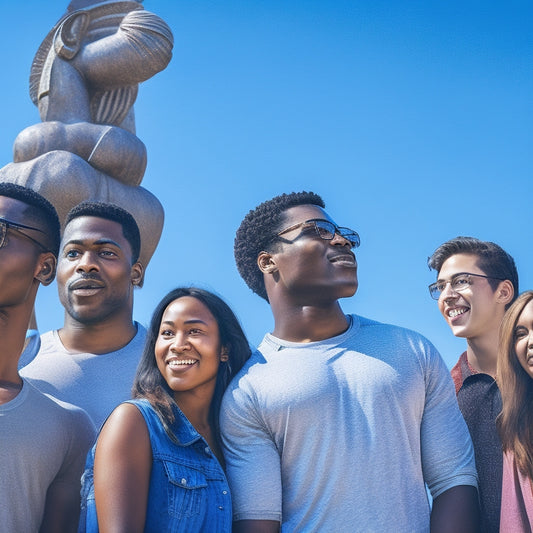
(43, 212)
(115, 213)
(149, 382)
(256, 231)
(515, 422)
(493, 260)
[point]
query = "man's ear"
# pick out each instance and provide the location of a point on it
(46, 268)
(137, 272)
(505, 292)
(266, 263)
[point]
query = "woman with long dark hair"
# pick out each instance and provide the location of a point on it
(515, 422)
(157, 465)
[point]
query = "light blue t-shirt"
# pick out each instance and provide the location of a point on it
(95, 382)
(342, 434)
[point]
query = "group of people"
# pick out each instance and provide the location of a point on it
(334, 423)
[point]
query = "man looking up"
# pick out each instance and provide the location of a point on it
(337, 422)
(476, 282)
(42, 444)
(91, 361)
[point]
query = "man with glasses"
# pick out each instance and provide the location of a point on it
(337, 422)
(476, 282)
(91, 361)
(43, 444)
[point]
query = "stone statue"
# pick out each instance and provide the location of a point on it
(84, 81)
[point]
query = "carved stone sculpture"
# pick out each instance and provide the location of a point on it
(84, 81)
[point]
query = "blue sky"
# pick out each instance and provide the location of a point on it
(412, 119)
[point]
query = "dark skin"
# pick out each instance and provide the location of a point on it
(310, 311)
(98, 318)
(123, 458)
(23, 267)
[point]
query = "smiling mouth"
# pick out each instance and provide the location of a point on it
(346, 259)
(181, 362)
(452, 313)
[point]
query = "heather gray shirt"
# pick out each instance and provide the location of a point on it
(41, 443)
(96, 383)
(342, 434)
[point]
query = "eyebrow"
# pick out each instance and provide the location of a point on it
(99, 242)
(191, 321)
(454, 275)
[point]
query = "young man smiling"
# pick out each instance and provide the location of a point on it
(42, 444)
(337, 422)
(476, 283)
(91, 360)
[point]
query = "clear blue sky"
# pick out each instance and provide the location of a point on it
(413, 120)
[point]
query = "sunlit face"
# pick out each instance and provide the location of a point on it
(471, 312)
(523, 339)
(19, 255)
(95, 276)
(310, 269)
(187, 349)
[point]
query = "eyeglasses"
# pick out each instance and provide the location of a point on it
(326, 230)
(458, 283)
(6, 224)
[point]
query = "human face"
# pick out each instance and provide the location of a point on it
(474, 311)
(311, 270)
(95, 275)
(187, 349)
(20, 257)
(523, 338)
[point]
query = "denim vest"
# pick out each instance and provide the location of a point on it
(188, 489)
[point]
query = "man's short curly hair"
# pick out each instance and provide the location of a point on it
(115, 213)
(43, 211)
(256, 231)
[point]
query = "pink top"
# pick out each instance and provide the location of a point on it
(517, 499)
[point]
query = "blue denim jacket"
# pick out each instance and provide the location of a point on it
(188, 489)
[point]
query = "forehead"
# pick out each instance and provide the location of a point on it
(526, 316)
(188, 308)
(90, 230)
(12, 209)
(301, 213)
(459, 263)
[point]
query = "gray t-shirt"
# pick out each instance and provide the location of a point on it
(41, 443)
(342, 435)
(96, 383)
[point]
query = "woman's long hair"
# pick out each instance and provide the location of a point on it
(515, 422)
(149, 382)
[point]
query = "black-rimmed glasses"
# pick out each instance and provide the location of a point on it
(6, 224)
(326, 230)
(458, 283)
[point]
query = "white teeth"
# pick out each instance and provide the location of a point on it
(456, 312)
(179, 362)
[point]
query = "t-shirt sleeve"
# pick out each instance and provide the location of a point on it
(447, 451)
(252, 458)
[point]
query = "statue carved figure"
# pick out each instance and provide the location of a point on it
(84, 81)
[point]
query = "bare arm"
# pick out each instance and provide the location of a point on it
(256, 526)
(122, 465)
(456, 511)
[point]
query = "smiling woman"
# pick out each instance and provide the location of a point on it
(167, 439)
(515, 379)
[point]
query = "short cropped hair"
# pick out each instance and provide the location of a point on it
(116, 214)
(43, 211)
(256, 231)
(493, 260)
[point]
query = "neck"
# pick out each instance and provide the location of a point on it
(308, 323)
(98, 338)
(482, 353)
(13, 325)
